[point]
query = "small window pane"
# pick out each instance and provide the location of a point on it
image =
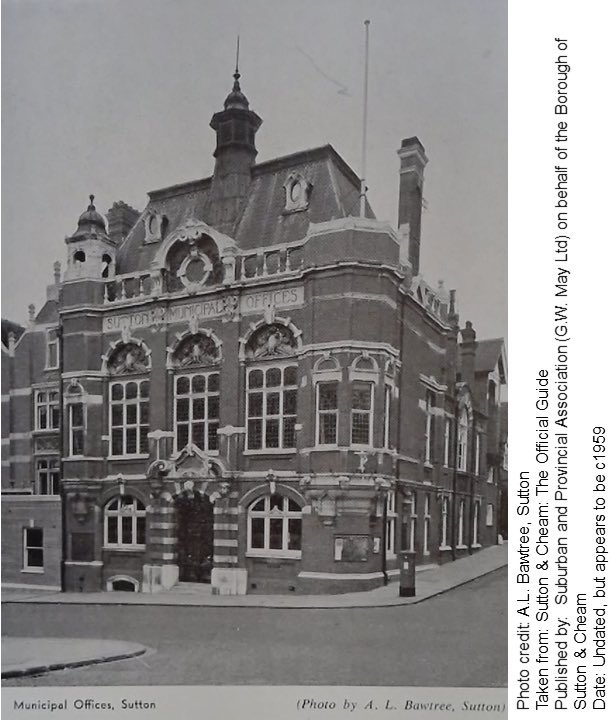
(35, 557)
(257, 532)
(213, 408)
(198, 435)
(182, 386)
(254, 434)
(290, 375)
(214, 382)
(198, 384)
(112, 530)
(213, 438)
(144, 413)
(126, 531)
(256, 379)
(289, 402)
(116, 415)
(273, 377)
(272, 403)
(272, 433)
(131, 390)
(198, 409)
(35, 537)
(260, 505)
(295, 530)
(276, 533)
(182, 436)
(131, 414)
(276, 502)
(117, 391)
(293, 506)
(361, 396)
(131, 439)
(140, 530)
(255, 404)
(117, 442)
(289, 432)
(328, 396)
(182, 410)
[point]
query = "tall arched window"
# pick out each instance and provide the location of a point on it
(125, 519)
(197, 410)
(274, 527)
(463, 440)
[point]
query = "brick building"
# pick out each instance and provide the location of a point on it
(247, 384)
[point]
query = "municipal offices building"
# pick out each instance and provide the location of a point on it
(249, 385)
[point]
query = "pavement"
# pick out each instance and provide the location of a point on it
(27, 656)
(34, 656)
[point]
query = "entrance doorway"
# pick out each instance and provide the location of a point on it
(194, 538)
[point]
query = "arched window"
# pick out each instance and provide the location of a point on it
(463, 440)
(274, 527)
(124, 522)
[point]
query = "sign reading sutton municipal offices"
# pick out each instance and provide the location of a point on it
(253, 302)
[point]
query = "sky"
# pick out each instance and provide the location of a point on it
(114, 98)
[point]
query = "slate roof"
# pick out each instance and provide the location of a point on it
(49, 312)
(263, 222)
(9, 326)
(488, 354)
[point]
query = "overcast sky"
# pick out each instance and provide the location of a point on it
(114, 97)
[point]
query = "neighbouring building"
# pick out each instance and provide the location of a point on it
(248, 384)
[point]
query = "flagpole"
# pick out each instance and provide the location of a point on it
(364, 124)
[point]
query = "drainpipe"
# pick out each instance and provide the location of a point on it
(455, 474)
(63, 499)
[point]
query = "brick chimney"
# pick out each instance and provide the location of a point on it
(468, 351)
(413, 160)
(121, 219)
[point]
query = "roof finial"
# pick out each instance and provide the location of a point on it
(91, 202)
(236, 72)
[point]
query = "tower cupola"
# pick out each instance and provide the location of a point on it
(235, 127)
(91, 253)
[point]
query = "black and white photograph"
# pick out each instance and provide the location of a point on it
(254, 332)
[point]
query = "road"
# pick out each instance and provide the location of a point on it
(455, 639)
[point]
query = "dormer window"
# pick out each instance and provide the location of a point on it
(297, 192)
(155, 226)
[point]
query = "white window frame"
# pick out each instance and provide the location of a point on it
(462, 450)
(461, 511)
(49, 471)
(138, 425)
(427, 522)
(134, 512)
(359, 411)
(191, 397)
(429, 435)
(476, 519)
(387, 415)
(391, 519)
(267, 515)
(444, 524)
(266, 417)
(26, 546)
(489, 515)
(319, 412)
(411, 505)
(447, 442)
(72, 428)
(48, 405)
(52, 345)
(490, 474)
(477, 463)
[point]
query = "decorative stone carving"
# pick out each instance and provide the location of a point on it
(196, 350)
(127, 359)
(271, 341)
